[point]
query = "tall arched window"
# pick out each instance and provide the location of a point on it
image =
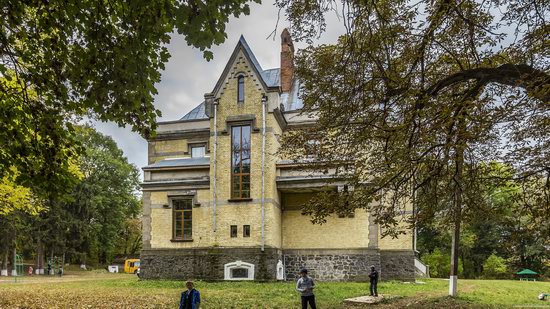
(240, 89)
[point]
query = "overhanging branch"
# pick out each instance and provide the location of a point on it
(534, 81)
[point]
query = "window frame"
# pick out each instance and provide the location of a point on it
(246, 228)
(203, 146)
(192, 144)
(240, 89)
(233, 231)
(240, 196)
(183, 237)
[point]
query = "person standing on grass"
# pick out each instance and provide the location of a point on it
(190, 299)
(373, 275)
(305, 286)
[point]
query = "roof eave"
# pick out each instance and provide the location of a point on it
(242, 44)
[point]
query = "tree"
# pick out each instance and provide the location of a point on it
(501, 223)
(101, 205)
(416, 94)
(15, 203)
(495, 267)
(85, 223)
(14, 197)
(61, 60)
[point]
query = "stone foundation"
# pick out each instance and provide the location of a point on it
(397, 265)
(323, 264)
(206, 264)
(331, 265)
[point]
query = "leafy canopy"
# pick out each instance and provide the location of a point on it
(62, 60)
(416, 95)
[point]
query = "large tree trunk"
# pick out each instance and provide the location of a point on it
(457, 203)
(39, 258)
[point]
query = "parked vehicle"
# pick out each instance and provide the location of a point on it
(131, 266)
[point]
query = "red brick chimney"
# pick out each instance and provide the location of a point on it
(287, 61)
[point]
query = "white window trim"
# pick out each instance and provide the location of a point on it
(238, 264)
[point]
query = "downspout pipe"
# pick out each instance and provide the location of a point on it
(264, 106)
(215, 193)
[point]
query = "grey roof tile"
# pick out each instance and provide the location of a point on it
(196, 113)
(271, 77)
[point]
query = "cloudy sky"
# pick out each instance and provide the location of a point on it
(188, 76)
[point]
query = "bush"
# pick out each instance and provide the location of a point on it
(440, 264)
(495, 268)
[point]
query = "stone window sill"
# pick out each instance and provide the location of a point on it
(237, 200)
(181, 240)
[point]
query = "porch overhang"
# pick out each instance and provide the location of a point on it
(179, 184)
(310, 183)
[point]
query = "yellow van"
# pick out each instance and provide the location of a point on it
(131, 266)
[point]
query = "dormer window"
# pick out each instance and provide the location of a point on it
(240, 89)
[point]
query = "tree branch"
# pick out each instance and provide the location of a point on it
(534, 81)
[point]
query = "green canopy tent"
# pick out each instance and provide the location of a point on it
(527, 274)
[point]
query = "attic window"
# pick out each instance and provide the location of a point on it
(240, 89)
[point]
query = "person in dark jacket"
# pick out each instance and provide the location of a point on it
(373, 275)
(190, 299)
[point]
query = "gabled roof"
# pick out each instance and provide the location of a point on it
(268, 78)
(196, 113)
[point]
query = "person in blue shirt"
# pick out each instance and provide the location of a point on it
(190, 299)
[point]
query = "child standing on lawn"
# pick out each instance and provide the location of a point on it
(305, 286)
(190, 299)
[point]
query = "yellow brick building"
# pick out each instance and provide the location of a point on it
(219, 203)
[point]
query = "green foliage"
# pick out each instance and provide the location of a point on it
(502, 223)
(102, 203)
(64, 60)
(495, 267)
(93, 221)
(438, 262)
(415, 99)
(37, 146)
(128, 241)
(14, 197)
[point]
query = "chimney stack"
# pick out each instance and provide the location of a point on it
(287, 61)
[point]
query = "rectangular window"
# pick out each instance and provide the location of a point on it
(182, 213)
(239, 273)
(198, 151)
(233, 231)
(240, 89)
(246, 230)
(240, 162)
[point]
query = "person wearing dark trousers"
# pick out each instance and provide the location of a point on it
(305, 286)
(373, 275)
(190, 299)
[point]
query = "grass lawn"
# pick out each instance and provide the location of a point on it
(102, 290)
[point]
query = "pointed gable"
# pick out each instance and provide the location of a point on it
(269, 79)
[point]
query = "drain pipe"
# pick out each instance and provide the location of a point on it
(215, 194)
(264, 104)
